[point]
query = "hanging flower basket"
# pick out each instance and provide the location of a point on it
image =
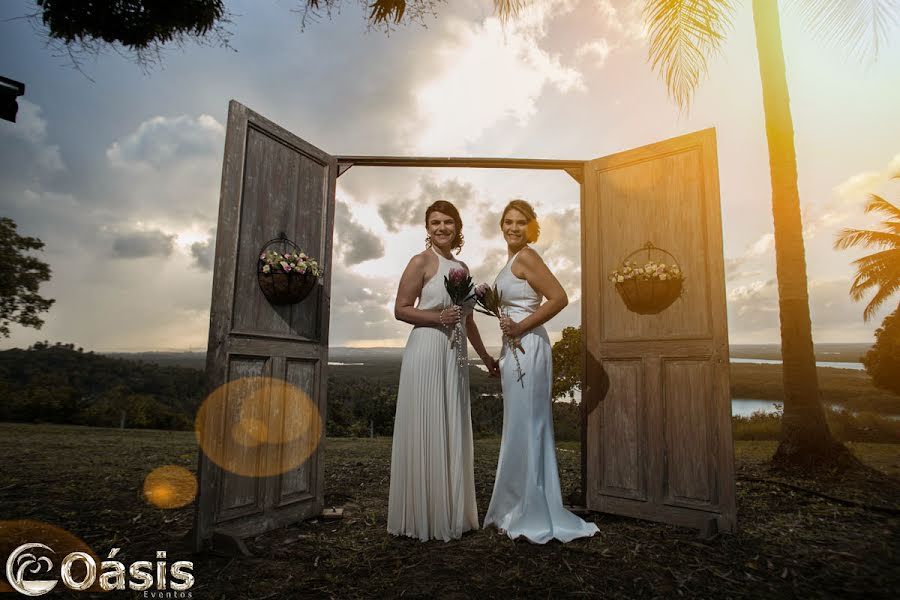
(650, 287)
(285, 273)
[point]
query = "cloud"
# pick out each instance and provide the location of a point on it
(31, 128)
(488, 74)
(598, 50)
(203, 253)
(161, 141)
(400, 213)
(859, 186)
(627, 21)
(848, 201)
(357, 243)
(365, 311)
(142, 244)
(560, 245)
(757, 253)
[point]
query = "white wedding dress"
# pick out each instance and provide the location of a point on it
(432, 492)
(527, 500)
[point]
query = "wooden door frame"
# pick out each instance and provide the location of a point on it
(575, 169)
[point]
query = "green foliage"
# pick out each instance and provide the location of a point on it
(134, 24)
(20, 277)
(567, 363)
(62, 384)
(882, 362)
(844, 425)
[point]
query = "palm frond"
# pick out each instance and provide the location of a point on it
(883, 293)
(861, 26)
(847, 238)
(684, 34)
(383, 11)
(508, 9)
(883, 277)
(878, 260)
(877, 204)
(892, 226)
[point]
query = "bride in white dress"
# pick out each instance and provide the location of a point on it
(527, 500)
(432, 492)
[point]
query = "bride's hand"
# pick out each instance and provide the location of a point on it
(492, 365)
(449, 316)
(510, 328)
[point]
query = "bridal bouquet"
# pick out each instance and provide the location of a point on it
(459, 287)
(491, 300)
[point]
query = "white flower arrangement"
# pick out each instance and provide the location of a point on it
(290, 262)
(646, 272)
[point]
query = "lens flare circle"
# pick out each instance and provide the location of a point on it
(258, 426)
(170, 486)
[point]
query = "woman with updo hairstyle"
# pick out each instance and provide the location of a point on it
(432, 490)
(527, 501)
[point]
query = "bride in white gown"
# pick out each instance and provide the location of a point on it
(432, 491)
(527, 500)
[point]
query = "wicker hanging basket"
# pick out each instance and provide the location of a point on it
(649, 296)
(277, 286)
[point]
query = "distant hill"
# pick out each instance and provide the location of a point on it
(62, 384)
(824, 352)
(371, 356)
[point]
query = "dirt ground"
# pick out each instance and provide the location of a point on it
(792, 541)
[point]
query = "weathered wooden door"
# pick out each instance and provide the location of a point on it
(656, 400)
(261, 426)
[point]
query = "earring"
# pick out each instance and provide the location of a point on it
(427, 242)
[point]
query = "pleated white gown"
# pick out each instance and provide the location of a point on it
(527, 500)
(432, 494)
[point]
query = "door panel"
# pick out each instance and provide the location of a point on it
(623, 415)
(657, 400)
(261, 426)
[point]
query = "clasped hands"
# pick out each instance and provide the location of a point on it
(449, 317)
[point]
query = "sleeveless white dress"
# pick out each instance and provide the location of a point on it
(432, 492)
(527, 500)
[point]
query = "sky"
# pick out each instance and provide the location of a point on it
(117, 167)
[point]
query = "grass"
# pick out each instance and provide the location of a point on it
(844, 425)
(791, 542)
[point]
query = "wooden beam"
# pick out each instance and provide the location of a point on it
(577, 173)
(570, 166)
(343, 167)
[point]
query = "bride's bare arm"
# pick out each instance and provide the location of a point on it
(410, 288)
(544, 282)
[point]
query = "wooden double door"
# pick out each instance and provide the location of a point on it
(657, 428)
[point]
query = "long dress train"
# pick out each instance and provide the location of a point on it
(432, 491)
(527, 500)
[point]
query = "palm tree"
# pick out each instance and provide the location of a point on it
(879, 270)
(684, 34)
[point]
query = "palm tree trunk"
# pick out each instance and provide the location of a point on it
(805, 438)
